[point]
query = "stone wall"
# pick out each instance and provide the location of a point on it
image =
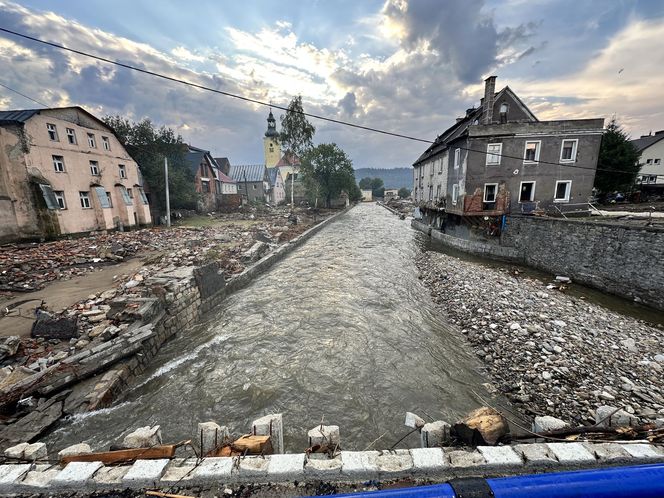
(619, 259)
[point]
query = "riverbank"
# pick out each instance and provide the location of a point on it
(549, 353)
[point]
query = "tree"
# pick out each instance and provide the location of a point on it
(148, 146)
(376, 186)
(296, 131)
(404, 193)
(328, 171)
(618, 162)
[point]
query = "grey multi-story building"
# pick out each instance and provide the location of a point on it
(253, 181)
(500, 159)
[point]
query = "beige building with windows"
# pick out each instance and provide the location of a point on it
(63, 171)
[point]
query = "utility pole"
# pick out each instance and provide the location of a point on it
(168, 200)
(292, 188)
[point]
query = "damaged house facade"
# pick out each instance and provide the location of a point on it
(499, 159)
(215, 189)
(63, 171)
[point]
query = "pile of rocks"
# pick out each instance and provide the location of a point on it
(550, 353)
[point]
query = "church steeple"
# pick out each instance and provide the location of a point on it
(271, 126)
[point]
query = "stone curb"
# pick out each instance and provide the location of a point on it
(436, 464)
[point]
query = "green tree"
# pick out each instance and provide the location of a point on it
(618, 162)
(376, 186)
(297, 132)
(404, 192)
(365, 183)
(148, 146)
(327, 171)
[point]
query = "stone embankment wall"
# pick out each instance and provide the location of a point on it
(618, 259)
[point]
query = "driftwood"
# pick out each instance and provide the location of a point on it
(482, 427)
(123, 456)
(645, 431)
(166, 495)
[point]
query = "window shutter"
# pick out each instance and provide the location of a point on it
(103, 198)
(49, 196)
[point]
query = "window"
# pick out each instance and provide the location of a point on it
(52, 132)
(125, 195)
(49, 196)
(657, 161)
(493, 153)
(532, 152)
(455, 193)
(440, 166)
(649, 161)
(254, 186)
(205, 185)
(649, 179)
(110, 199)
(438, 192)
(123, 170)
(59, 164)
(104, 201)
(106, 142)
(457, 158)
(94, 168)
(563, 190)
(91, 141)
(568, 151)
(130, 193)
(60, 198)
(503, 112)
(490, 190)
(527, 192)
(71, 136)
(144, 197)
(85, 199)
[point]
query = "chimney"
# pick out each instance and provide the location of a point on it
(488, 101)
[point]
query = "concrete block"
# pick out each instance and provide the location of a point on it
(215, 469)
(35, 451)
(211, 435)
(464, 459)
(324, 435)
(608, 451)
(413, 420)
(643, 450)
(435, 434)
(179, 470)
(548, 423)
(428, 460)
(273, 426)
(76, 474)
(322, 467)
(16, 451)
(253, 466)
(145, 472)
(110, 477)
(500, 456)
(394, 463)
(571, 453)
(38, 479)
(76, 449)
(359, 464)
(10, 474)
(535, 454)
(143, 437)
(287, 467)
(605, 417)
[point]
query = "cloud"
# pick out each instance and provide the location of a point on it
(186, 55)
(349, 103)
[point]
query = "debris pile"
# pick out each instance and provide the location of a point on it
(548, 352)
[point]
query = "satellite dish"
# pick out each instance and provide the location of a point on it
(516, 172)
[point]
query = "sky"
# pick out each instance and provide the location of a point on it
(406, 66)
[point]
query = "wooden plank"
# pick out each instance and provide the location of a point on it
(118, 456)
(253, 445)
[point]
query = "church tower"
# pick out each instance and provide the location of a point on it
(271, 147)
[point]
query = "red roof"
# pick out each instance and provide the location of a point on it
(224, 177)
(288, 159)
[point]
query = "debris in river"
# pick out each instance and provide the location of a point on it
(481, 427)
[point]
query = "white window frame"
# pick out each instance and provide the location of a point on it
(106, 142)
(657, 160)
(59, 160)
(51, 128)
(457, 158)
(94, 168)
(84, 198)
(538, 150)
(568, 191)
(123, 170)
(60, 197)
(71, 136)
(92, 141)
(495, 192)
(574, 150)
(455, 193)
(499, 155)
(532, 192)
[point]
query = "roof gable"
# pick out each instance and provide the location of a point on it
(646, 141)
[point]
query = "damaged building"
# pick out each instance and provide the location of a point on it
(499, 159)
(63, 171)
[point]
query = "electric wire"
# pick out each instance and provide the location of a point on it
(23, 95)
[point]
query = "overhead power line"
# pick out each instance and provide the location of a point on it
(269, 104)
(23, 95)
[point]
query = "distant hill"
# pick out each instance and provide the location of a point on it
(392, 178)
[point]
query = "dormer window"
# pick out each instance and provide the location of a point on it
(503, 112)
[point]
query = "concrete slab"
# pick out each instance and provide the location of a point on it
(108, 477)
(500, 456)
(464, 459)
(535, 454)
(76, 474)
(9, 474)
(251, 467)
(428, 460)
(394, 463)
(643, 451)
(571, 453)
(38, 479)
(322, 467)
(608, 451)
(215, 469)
(287, 467)
(145, 472)
(359, 464)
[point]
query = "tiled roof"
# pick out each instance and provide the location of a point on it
(647, 140)
(248, 172)
(288, 159)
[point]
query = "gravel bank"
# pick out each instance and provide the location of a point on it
(550, 353)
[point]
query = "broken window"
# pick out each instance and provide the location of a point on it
(493, 153)
(144, 197)
(527, 193)
(568, 151)
(490, 191)
(563, 190)
(94, 168)
(49, 197)
(71, 136)
(532, 152)
(110, 199)
(103, 198)
(85, 200)
(58, 164)
(60, 198)
(52, 132)
(125, 195)
(205, 185)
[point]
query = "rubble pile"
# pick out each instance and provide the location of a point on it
(548, 352)
(403, 206)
